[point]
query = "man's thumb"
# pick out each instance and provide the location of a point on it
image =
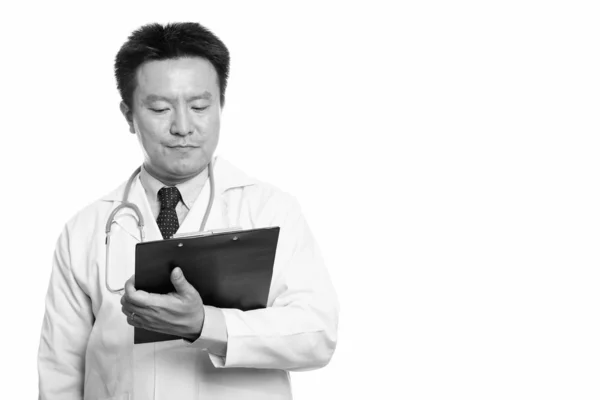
(179, 281)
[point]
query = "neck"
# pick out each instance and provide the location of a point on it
(170, 180)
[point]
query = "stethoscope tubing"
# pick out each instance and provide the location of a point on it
(125, 204)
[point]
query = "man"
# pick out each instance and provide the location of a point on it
(172, 81)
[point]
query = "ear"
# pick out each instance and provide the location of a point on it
(128, 114)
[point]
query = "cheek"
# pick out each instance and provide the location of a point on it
(150, 129)
(145, 126)
(212, 124)
(217, 125)
(149, 137)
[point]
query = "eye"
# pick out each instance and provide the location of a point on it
(199, 108)
(159, 110)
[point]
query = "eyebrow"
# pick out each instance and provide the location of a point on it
(203, 96)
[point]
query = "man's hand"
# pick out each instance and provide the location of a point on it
(178, 313)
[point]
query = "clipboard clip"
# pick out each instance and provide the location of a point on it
(206, 233)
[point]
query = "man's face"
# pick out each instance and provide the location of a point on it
(176, 114)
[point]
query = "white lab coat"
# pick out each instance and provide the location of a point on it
(86, 348)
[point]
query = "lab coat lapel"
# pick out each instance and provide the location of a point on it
(194, 218)
(226, 177)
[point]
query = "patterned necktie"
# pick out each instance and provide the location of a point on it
(167, 217)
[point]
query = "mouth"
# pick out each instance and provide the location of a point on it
(183, 147)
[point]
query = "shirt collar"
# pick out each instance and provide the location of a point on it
(189, 189)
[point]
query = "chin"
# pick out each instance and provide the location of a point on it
(186, 170)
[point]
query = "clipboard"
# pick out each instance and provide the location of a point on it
(230, 269)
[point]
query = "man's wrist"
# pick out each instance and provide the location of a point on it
(197, 327)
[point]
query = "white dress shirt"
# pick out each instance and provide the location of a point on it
(190, 190)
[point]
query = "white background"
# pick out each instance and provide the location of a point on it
(446, 155)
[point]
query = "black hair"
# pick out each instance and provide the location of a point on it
(162, 42)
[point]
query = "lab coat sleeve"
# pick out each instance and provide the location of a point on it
(65, 331)
(298, 331)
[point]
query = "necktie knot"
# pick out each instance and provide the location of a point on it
(168, 197)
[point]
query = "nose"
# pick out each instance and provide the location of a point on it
(181, 124)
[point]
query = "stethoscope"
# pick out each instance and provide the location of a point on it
(140, 219)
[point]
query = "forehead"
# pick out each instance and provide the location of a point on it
(174, 77)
